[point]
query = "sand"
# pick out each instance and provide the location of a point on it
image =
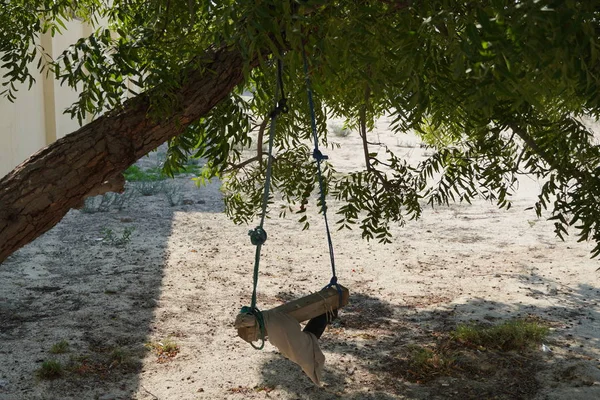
(186, 271)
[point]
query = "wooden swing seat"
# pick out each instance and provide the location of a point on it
(301, 310)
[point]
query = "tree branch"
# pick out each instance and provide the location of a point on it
(530, 141)
(362, 129)
(259, 150)
(363, 134)
(38, 193)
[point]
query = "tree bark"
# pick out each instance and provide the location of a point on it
(39, 192)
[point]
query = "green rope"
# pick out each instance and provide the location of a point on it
(320, 157)
(258, 235)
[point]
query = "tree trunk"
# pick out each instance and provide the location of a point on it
(38, 193)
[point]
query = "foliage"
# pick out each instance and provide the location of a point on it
(136, 174)
(102, 363)
(497, 87)
(151, 181)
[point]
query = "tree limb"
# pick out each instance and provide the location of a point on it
(363, 129)
(363, 134)
(529, 141)
(259, 150)
(39, 192)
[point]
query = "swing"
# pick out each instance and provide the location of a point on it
(250, 323)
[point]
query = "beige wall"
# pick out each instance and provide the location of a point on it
(36, 118)
(22, 130)
(63, 95)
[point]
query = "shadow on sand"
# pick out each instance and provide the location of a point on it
(80, 285)
(370, 345)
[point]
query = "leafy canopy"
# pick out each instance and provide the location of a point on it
(497, 87)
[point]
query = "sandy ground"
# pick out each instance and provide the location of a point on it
(187, 271)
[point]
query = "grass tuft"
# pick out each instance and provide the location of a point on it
(173, 193)
(60, 347)
(510, 335)
(425, 363)
(150, 188)
(50, 369)
(119, 356)
(166, 350)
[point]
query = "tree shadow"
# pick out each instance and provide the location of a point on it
(370, 347)
(84, 283)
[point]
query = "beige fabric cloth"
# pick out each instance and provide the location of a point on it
(285, 333)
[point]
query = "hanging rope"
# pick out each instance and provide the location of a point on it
(320, 157)
(258, 236)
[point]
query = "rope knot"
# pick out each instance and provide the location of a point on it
(281, 108)
(317, 155)
(282, 105)
(253, 310)
(258, 236)
(334, 283)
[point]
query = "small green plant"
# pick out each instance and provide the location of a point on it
(50, 369)
(425, 362)
(106, 201)
(80, 365)
(122, 359)
(108, 235)
(111, 238)
(96, 204)
(122, 200)
(99, 203)
(89, 205)
(173, 193)
(136, 174)
(166, 349)
(149, 188)
(60, 347)
(119, 356)
(405, 144)
(511, 335)
(340, 130)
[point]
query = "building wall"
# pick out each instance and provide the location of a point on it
(37, 117)
(64, 96)
(22, 130)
